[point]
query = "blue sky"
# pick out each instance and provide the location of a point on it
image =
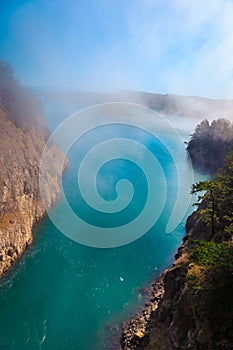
(172, 46)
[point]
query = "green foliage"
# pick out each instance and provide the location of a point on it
(213, 255)
(210, 285)
(210, 144)
(217, 204)
(209, 280)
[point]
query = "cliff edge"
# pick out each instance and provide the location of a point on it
(23, 138)
(191, 304)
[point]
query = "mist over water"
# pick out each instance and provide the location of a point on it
(63, 295)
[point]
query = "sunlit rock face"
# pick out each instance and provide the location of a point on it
(23, 138)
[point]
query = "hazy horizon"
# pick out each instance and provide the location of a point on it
(181, 47)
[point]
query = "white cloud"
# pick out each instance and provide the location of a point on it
(178, 46)
(189, 42)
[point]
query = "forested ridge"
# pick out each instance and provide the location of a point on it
(195, 309)
(199, 304)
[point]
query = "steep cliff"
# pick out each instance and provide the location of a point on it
(23, 138)
(195, 309)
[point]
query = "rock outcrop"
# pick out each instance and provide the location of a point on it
(209, 144)
(135, 335)
(23, 137)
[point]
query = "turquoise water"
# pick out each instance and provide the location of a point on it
(63, 295)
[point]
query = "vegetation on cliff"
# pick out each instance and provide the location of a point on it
(210, 274)
(217, 208)
(197, 307)
(210, 144)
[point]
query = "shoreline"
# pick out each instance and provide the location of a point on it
(7, 274)
(37, 221)
(135, 333)
(119, 336)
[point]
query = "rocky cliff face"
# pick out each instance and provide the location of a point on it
(23, 138)
(195, 307)
(174, 325)
(191, 315)
(169, 321)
